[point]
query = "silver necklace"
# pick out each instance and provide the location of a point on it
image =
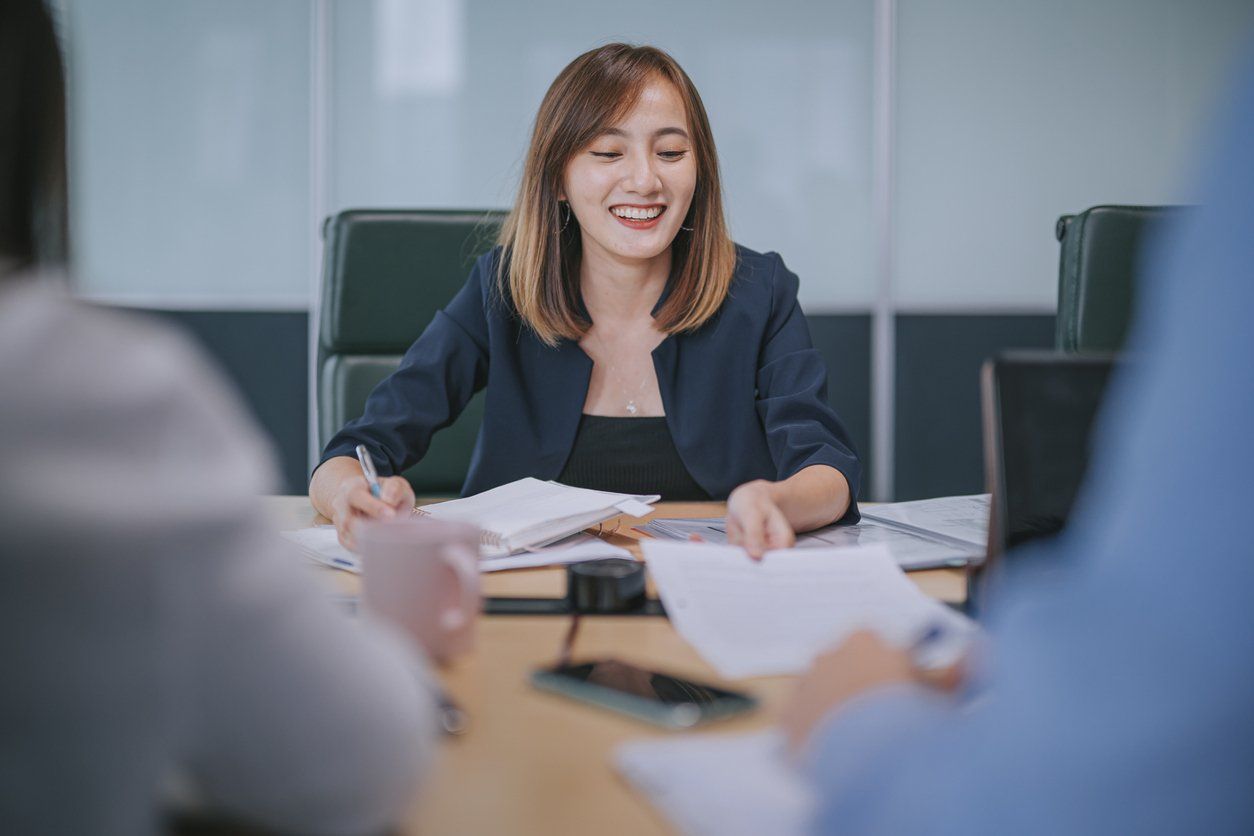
(631, 406)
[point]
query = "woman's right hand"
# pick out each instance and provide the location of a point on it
(353, 504)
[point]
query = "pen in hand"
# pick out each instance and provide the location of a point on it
(367, 468)
(939, 655)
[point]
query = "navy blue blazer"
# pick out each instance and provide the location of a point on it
(745, 395)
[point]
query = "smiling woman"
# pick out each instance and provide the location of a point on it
(626, 343)
(621, 140)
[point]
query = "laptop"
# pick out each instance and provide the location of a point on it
(1038, 411)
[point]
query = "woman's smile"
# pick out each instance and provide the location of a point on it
(636, 216)
(637, 170)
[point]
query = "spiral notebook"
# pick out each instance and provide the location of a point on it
(531, 513)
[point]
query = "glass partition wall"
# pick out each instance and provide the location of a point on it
(902, 155)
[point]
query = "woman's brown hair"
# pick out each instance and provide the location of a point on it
(540, 267)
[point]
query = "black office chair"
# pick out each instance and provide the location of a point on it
(385, 273)
(1038, 410)
(1097, 273)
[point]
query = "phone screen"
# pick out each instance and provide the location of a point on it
(657, 697)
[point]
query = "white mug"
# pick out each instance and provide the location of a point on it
(423, 575)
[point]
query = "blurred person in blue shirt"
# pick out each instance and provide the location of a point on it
(1117, 698)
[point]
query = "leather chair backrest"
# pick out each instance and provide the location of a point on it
(385, 273)
(1097, 274)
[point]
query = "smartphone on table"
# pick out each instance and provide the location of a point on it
(657, 698)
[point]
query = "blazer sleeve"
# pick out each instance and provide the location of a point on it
(801, 428)
(437, 377)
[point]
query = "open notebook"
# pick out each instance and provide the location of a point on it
(531, 513)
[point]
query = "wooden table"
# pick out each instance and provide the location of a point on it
(535, 763)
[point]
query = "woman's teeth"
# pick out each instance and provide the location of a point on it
(632, 213)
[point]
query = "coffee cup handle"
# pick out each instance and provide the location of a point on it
(466, 571)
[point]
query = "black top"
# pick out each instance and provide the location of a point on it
(629, 455)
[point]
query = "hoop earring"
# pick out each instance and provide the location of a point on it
(685, 228)
(566, 222)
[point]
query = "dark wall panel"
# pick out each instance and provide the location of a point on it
(266, 355)
(937, 435)
(844, 340)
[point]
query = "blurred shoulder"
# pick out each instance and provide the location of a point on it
(119, 390)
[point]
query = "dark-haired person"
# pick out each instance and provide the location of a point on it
(149, 629)
(625, 342)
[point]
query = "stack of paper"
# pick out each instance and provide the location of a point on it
(961, 520)
(926, 534)
(320, 543)
(720, 785)
(757, 618)
(578, 548)
(530, 513)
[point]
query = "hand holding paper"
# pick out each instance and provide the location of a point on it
(775, 616)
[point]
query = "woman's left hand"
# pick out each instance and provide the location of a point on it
(755, 521)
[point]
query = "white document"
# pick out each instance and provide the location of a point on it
(320, 543)
(963, 519)
(720, 785)
(577, 549)
(529, 512)
(759, 618)
(709, 529)
(910, 549)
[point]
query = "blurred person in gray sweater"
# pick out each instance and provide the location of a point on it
(150, 628)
